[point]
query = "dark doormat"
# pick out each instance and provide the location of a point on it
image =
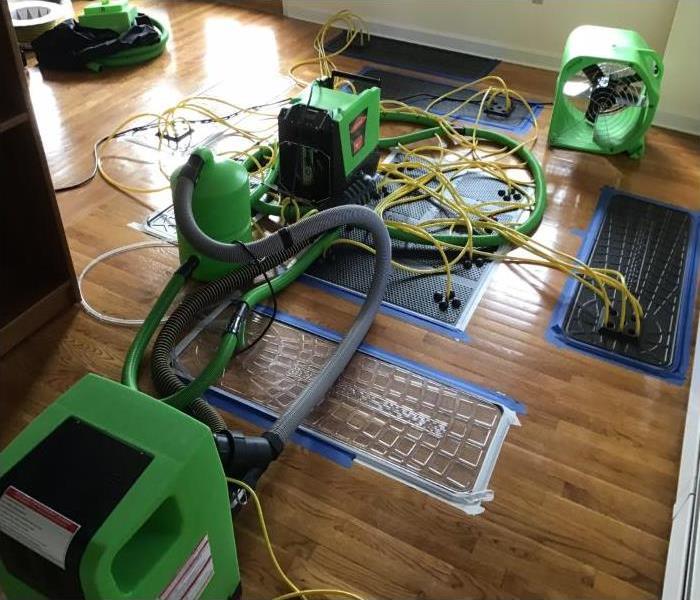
(416, 57)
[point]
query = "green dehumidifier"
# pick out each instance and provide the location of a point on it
(110, 493)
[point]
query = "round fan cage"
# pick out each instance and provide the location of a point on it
(609, 99)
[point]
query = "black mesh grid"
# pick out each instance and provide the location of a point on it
(351, 268)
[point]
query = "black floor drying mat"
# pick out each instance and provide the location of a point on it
(416, 57)
(346, 269)
(351, 269)
(420, 92)
(654, 247)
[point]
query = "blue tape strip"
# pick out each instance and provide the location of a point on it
(677, 371)
(387, 308)
(521, 126)
(398, 361)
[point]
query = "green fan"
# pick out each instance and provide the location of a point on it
(607, 92)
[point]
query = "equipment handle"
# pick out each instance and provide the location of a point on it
(356, 76)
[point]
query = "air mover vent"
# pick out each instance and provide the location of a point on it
(605, 104)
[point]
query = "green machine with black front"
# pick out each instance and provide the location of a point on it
(328, 142)
(110, 493)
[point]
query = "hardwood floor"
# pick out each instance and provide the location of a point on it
(583, 490)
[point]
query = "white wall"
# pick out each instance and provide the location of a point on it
(521, 31)
(680, 92)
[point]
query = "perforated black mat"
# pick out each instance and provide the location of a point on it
(348, 268)
(421, 92)
(427, 59)
(650, 244)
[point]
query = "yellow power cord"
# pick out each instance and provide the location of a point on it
(437, 162)
(170, 117)
(345, 19)
(296, 592)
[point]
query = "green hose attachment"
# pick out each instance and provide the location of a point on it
(130, 370)
(230, 341)
(134, 56)
(262, 292)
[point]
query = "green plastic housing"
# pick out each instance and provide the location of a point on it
(344, 108)
(221, 207)
(129, 557)
(621, 131)
(117, 15)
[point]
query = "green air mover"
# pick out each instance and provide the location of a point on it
(607, 92)
(328, 142)
(112, 494)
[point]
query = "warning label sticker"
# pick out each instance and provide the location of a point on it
(36, 526)
(189, 582)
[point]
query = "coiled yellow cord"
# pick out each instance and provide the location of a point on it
(344, 19)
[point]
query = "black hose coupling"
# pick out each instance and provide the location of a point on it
(187, 268)
(241, 454)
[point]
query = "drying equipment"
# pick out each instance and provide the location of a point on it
(117, 15)
(607, 92)
(102, 497)
(110, 493)
(109, 33)
(328, 142)
(221, 206)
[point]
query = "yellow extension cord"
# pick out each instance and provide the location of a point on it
(296, 592)
(438, 161)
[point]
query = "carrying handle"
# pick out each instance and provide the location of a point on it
(356, 76)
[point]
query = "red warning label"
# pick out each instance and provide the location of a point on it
(194, 575)
(357, 132)
(36, 526)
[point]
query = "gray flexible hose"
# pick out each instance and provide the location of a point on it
(298, 233)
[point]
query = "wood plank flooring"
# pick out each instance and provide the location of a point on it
(583, 490)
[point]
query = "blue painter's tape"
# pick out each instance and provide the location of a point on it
(399, 361)
(387, 308)
(677, 371)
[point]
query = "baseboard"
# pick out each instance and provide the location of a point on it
(682, 579)
(469, 45)
(677, 122)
